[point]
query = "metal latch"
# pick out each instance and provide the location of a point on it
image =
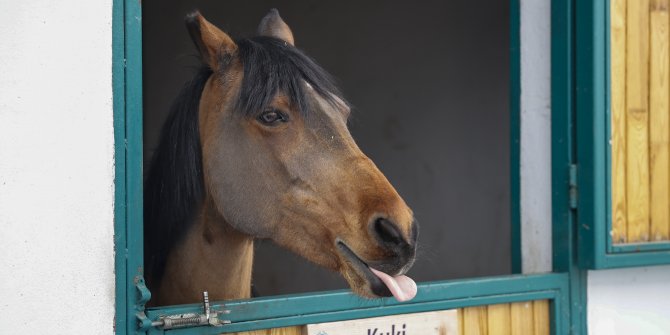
(572, 183)
(209, 317)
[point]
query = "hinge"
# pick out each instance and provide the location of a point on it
(143, 296)
(572, 193)
(209, 317)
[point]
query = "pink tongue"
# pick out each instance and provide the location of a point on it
(402, 287)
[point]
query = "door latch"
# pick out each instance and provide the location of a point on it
(208, 317)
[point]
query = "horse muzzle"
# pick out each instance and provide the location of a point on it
(401, 251)
(385, 277)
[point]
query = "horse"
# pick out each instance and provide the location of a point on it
(256, 146)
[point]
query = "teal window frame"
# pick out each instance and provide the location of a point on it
(128, 180)
(594, 150)
(564, 288)
(300, 309)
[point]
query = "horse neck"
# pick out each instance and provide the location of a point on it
(214, 257)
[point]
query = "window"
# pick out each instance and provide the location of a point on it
(431, 109)
(622, 134)
(281, 311)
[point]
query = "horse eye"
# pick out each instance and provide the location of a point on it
(272, 117)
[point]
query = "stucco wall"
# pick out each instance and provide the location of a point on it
(56, 168)
(629, 301)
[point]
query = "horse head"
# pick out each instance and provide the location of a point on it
(278, 161)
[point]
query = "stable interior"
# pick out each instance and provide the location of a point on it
(429, 82)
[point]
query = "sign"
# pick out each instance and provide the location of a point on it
(428, 323)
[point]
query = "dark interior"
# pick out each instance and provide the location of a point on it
(429, 82)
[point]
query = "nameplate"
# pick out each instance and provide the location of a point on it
(428, 323)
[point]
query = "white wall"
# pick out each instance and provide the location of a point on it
(535, 152)
(56, 167)
(629, 301)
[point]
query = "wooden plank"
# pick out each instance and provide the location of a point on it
(475, 321)
(499, 319)
(541, 323)
(288, 331)
(428, 323)
(522, 318)
(297, 330)
(637, 120)
(618, 103)
(659, 120)
(254, 332)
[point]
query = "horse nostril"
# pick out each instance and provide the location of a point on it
(388, 232)
(415, 233)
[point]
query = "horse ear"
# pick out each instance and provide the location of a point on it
(210, 40)
(273, 26)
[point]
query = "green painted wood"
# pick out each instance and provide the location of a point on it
(127, 92)
(134, 141)
(564, 237)
(330, 301)
(592, 149)
(632, 259)
(608, 128)
(342, 305)
(562, 132)
(368, 313)
(119, 105)
(515, 135)
(641, 247)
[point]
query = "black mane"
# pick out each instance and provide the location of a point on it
(174, 187)
(270, 66)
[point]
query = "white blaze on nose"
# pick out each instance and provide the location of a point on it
(402, 287)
